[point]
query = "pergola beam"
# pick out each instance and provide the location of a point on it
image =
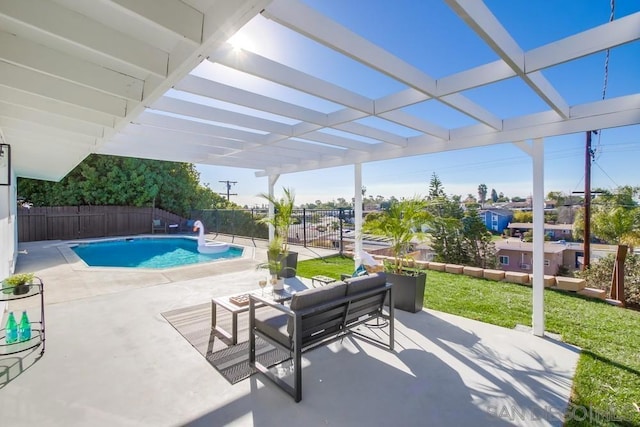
(478, 16)
(305, 20)
(50, 87)
(70, 31)
(170, 15)
(37, 57)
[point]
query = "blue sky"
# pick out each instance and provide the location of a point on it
(429, 35)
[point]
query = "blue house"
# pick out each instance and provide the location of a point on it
(496, 220)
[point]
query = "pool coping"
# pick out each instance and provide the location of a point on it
(77, 264)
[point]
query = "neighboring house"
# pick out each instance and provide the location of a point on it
(520, 206)
(496, 219)
(554, 231)
(514, 255)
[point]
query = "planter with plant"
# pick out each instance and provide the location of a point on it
(17, 284)
(274, 263)
(280, 259)
(402, 223)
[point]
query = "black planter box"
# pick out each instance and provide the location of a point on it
(289, 265)
(408, 291)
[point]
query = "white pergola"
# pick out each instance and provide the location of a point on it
(157, 79)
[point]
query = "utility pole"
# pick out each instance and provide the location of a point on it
(228, 193)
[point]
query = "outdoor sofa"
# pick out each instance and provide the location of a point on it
(316, 317)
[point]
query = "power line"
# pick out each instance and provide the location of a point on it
(612, 7)
(606, 174)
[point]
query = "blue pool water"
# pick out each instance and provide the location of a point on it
(147, 252)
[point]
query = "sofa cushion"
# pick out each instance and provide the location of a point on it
(273, 323)
(315, 296)
(365, 283)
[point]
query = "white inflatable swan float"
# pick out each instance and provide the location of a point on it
(205, 247)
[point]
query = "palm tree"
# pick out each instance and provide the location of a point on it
(401, 222)
(280, 258)
(283, 215)
(482, 194)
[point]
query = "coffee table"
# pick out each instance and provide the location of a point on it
(277, 295)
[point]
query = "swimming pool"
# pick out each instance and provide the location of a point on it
(148, 252)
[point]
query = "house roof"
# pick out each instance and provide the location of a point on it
(528, 225)
(161, 80)
(499, 211)
(549, 247)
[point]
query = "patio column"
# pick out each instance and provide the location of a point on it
(538, 237)
(357, 210)
(272, 182)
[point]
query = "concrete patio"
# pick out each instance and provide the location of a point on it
(112, 360)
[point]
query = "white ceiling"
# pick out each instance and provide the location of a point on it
(157, 79)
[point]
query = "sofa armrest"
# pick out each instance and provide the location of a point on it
(257, 300)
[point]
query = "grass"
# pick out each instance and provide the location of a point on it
(607, 379)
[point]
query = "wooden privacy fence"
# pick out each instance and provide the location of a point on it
(81, 222)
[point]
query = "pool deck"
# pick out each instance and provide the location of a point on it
(68, 278)
(113, 360)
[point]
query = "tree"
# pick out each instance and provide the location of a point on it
(471, 200)
(557, 196)
(523, 216)
(482, 194)
(494, 195)
(435, 188)
(457, 237)
(615, 217)
(478, 244)
(125, 181)
(401, 222)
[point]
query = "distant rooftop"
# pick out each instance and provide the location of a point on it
(529, 225)
(549, 247)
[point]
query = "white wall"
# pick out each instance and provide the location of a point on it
(8, 232)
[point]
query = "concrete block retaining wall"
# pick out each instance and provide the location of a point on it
(437, 266)
(570, 284)
(548, 280)
(472, 271)
(516, 277)
(454, 268)
(496, 275)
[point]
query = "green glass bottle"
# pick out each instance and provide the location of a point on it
(11, 329)
(24, 329)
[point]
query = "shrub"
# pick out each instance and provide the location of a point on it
(600, 273)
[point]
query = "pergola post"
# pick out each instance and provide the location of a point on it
(538, 237)
(272, 182)
(357, 210)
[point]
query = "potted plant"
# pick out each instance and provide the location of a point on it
(402, 223)
(18, 284)
(274, 262)
(281, 222)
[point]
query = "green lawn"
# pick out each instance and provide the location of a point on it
(607, 379)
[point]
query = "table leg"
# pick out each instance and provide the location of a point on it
(213, 315)
(234, 328)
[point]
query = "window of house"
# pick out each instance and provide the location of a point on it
(547, 263)
(504, 260)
